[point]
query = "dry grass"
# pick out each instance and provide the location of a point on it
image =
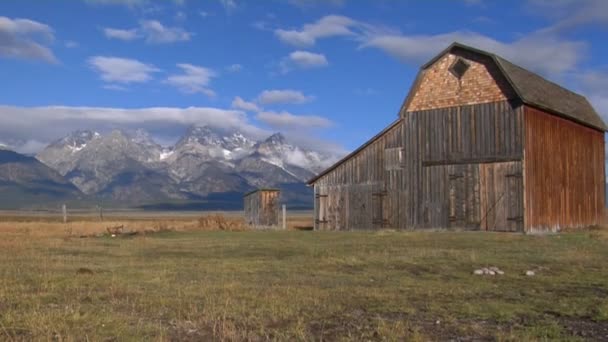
(186, 282)
(221, 222)
(87, 226)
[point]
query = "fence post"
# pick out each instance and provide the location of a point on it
(284, 217)
(64, 209)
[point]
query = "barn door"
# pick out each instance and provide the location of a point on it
(463, 196)
(501, 196)
(515, 205)
(379, 220)
(456, 191)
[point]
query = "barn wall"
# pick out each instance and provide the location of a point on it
(438, 88)
(364, 191)
(450, 167)
(564, 172)
(262, 208)
(446, 151)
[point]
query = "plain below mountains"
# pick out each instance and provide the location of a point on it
(207, 168)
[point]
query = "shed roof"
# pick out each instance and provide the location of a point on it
(261, 190)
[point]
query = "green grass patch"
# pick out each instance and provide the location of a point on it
(305, 286)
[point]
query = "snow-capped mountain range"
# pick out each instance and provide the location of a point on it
(132, 167)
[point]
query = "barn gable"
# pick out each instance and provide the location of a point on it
(491, 78)
(440, 85)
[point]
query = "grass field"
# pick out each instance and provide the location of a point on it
(183, 283)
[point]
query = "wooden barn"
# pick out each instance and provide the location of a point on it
(262, 208)
(480, 144)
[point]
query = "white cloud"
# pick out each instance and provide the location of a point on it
(26, 39)
(473, 2)
(30, 147)
(127, 35)
(543, 53)
(52, 122)
(288, 121)
(114, 87)
(307, 59)
(315, 3)
(239, 103)
(156, 33)
(572, 13)
(594, 85)
(229, 5)
(193, 79)
(127, 3)
(152, 31)
(33, 127)
(328, 26)
(540, 51)
(70, 44)
(234, 67)
(122, 70)
(283, 96)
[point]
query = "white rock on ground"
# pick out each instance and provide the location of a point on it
(530, 273)
(488, 271)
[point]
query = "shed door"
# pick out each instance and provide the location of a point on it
(501, 196)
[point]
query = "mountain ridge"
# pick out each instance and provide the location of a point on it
(130, 167)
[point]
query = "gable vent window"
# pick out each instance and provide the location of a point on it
(459, 67)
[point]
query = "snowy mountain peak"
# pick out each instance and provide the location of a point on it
(202, 135)
(276, 138)
(75, 141)
(206, 159)
(206, 136)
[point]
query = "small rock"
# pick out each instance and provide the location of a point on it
(437, 322)
(499, 272)
(84, 270)
(530, 273)
(478, 272)
(490, 272)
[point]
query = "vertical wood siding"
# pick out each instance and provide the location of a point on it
(564, 173)
(262, 208)
(445, 150)
(428, 172)
(364, 191)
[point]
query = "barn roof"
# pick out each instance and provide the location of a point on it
(531, 88)
(536, 91)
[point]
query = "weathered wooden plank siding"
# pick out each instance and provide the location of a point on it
(356, 194)
(262, 208)
(425, 173)
(469, 134)
(564, 173)
(445, 150)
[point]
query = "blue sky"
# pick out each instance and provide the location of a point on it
(329, 74)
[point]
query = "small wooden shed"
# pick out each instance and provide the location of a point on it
(262, 207)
